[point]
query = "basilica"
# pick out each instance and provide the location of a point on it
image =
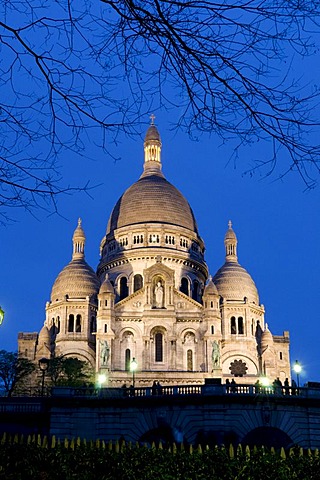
(152, 302)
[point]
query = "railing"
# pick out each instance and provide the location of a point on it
(183, 390)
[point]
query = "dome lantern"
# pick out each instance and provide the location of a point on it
(152, 150)
(78, 240)
(232, 280)
(230, 242)
(77, 279)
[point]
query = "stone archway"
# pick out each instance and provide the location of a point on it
(267, 437)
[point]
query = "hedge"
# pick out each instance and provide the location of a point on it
(40, 458)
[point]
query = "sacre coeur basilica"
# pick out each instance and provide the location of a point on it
(152, 299)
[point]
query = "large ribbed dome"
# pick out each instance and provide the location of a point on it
(152, 199)
(77, 280)
(234, 283)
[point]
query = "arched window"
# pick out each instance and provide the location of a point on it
(78, 323)
(71, 323)
(127, 359)
(233, 326)
(195, 290)
(58, 325)
(158, 347)
(184, 288)
(189, 361)
(123, 288)
(93, 324)
(240, 326)
(212, 330)
(137, 282)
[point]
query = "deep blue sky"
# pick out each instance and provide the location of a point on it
(277, 225)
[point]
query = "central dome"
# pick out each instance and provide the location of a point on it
(152, 199)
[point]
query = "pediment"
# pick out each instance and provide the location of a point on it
(158, 269)
(133, 302)
(184, 302)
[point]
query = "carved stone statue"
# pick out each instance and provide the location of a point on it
(104, 353)
(215, 354)
(158, 295)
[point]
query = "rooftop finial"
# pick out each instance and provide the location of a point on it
(78, 240)
(230, 242)
(152, 118)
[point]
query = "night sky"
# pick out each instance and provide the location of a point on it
(276, 223)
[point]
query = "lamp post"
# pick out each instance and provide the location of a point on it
(133, 368)
(101, 379)
(297, 368)
(43, 365)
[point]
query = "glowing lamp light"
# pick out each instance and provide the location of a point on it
(265, 382)
(101, 378)
(297, 368)
(133, 368)
(1, 315)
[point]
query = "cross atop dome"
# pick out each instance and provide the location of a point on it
(152, 118)
(152, 150)
(78, 241)
(230, 242)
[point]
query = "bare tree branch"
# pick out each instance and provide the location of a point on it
(69, 68)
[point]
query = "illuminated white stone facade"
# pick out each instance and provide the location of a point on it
(152, 298)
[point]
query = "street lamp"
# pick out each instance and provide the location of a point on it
(265, 382)
(43, 365)
(133, 368)
(297, 368)
(101, 379)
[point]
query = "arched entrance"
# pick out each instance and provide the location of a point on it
(267, 437)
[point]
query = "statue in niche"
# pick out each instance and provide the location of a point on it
(215, 354)
(104, 353)
(158, 295)
(189, 338)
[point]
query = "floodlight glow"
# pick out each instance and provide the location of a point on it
(133, 365)
(102, 378)
(297, 367)
(265, 382)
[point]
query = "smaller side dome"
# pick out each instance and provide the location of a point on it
(210, 288)
(266, 339)
(77, 279)
(233, 282)
(106, 286)
(44, 336)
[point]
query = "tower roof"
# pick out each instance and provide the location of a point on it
(152, 199)
(77, 279)
(232, 280)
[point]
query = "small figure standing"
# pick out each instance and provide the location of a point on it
(228, 385)
(233, 386)
(215, 354)
(104, 352)
(158, 295)
(286, 386)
